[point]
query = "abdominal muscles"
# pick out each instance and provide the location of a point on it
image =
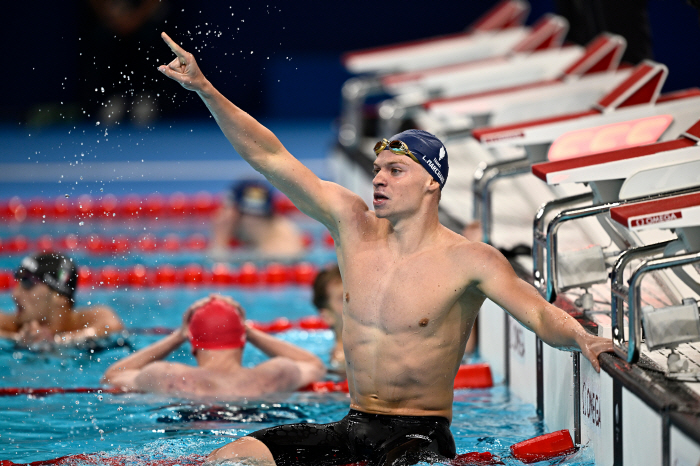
(410, 372)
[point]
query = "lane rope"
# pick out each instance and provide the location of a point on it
(468, 376)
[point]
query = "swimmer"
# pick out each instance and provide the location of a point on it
(44, 306)
(328, 300)
(217, 333)
(412, 289)
(249, 218)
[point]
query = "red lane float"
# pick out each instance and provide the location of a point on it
(132, 206)
(95, 244)
(14, 391)
(544, 447)
(465, 459)
(278, 325)
(551, 444)
(475, 458)
(191, 275)
(473, 376)
(120, 460)
(468, 376)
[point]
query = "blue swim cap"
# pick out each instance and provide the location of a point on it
(252, 197)
(429, 151)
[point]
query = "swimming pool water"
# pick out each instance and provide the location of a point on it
(146, 428)
(317, 252)
(140, 429)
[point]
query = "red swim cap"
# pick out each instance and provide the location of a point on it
(216, 326)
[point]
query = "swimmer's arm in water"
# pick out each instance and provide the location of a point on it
(498, 281)
(103, 319)
(8, 335)
(96, 322)
(324, 201)
(8, 325)
(311, 368)
(123, 373)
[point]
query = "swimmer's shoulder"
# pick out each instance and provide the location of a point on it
(98, 316)
(474, 255)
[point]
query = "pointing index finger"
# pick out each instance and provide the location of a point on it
(177, 50)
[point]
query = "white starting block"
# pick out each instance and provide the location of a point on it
(632, 114)
(637, 97)
(525, 66)
(606, 174)
(547, 34)
(668, 327)
(496, 33)
(586, 81)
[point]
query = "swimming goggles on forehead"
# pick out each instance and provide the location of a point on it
(397, 147)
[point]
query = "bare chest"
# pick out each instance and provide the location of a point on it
(395, 295)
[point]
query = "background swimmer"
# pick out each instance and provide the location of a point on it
(248, 217)
(44, 298)
(216, 330)
(328, 298)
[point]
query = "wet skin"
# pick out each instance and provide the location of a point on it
(41, 314)
(413, 287)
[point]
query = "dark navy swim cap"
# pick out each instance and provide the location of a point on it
(54, 269)
(252, 197)
(429, 151)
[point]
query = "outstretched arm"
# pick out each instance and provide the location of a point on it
(521, 300)
(260, 147)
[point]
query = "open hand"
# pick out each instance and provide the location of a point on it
(593, 347)
(183, 68)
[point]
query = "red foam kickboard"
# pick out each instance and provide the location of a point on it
(544, 447)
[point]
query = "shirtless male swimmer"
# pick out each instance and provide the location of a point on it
(45, 312)
(215, 327)
(412, 291)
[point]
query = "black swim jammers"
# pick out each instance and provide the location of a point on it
(381, 440)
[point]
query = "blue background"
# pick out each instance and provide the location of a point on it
(294, 70)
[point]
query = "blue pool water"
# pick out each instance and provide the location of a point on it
(145, 428)
(151, 427)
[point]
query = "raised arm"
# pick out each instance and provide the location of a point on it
(521, 300)
(310, 366)
(123, 373)
(322, 200)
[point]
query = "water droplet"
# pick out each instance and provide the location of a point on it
(81, 223)
(67, 196)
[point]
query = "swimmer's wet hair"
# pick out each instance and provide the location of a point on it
(320, 286)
